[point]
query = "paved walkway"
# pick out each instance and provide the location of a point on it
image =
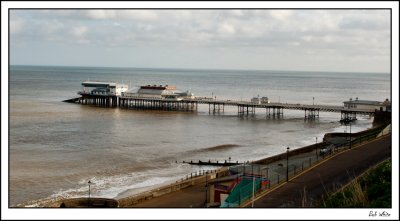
(194, 196)
(326, 176)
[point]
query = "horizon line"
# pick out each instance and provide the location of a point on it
(200, 69)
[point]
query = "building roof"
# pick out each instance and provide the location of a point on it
(157, 90)
(102, 84)
(363, 102)
(95, 83)
(158, 87)
(224, 179)
(150, 91)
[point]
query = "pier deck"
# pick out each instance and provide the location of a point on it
(217, 106)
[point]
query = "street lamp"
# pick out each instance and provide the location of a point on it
(350, 135)
(287, 164)
(312, 100)
(205, 204)
(89, 193)
(316, 147)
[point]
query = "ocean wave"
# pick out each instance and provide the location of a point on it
(219, 147)
(111, 186)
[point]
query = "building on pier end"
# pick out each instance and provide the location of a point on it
(258, 100)
(102, 88)
(158, 92)
(104, 94)
(367, 105)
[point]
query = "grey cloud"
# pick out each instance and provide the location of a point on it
(333, 32)
(363, 24)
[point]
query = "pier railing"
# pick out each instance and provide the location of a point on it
(245, 108)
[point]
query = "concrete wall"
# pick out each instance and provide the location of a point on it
(129, 201)
(281, 156)
(85, 202)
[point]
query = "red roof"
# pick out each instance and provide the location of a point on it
(160, 87)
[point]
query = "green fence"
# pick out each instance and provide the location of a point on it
(243, 191)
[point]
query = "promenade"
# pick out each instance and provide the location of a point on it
(328, 175)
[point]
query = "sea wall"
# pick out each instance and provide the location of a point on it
(282, 156)
(85, 202)
(132, 200)
(372, 130)
(382, 118)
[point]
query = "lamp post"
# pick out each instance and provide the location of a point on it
(254, 183)
(350, 135)
(316, 147)
(287, 164)
(89, 193)
(244, 168)
(205, 204)
(312, 100)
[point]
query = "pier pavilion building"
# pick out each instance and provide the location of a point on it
(104, 94)
(158, 92)
(102, 88)
(367, 105)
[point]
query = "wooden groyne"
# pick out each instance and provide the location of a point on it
(210, 163)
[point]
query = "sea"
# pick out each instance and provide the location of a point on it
(55, 147)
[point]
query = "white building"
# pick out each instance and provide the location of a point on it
(367, 105)
(256, 100)
(158, 91)
(102, 88)
(265, 100)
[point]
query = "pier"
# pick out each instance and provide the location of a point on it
(168, 98)
(244, 108)
(157, 104)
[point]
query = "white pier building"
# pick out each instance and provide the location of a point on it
(102, 88)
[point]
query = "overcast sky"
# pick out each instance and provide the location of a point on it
(305, 40)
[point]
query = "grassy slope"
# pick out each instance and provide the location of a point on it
(372, 190)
